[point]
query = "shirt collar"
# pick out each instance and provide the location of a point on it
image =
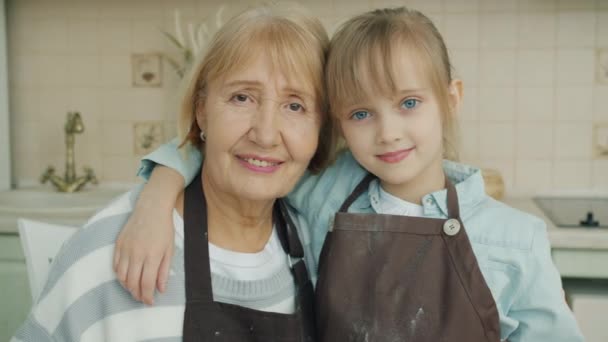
(467, 180)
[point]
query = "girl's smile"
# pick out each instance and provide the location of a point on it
(395, 156)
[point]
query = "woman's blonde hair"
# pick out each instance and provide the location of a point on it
(296, 44)
(367, 42)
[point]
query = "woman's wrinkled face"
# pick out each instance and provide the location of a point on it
(261, 131)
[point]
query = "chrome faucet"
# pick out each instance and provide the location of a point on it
(70, 183)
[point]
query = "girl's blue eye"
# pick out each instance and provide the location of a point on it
(409, 103)
(360, 115)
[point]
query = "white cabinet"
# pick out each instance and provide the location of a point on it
(14, 289)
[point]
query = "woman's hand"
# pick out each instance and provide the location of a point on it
(144, 248)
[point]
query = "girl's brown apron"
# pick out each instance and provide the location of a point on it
(206, 320)
(399, 278)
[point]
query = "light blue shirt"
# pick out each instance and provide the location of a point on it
(512, 247)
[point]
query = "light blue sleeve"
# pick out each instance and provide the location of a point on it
(540, 307)
(318, 197)
(169, 155)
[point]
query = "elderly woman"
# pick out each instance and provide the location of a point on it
(255, 108)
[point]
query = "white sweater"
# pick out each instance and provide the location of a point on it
(83, 301)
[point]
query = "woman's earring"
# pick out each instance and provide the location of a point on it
(203, 137)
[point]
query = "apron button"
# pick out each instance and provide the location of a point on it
(451, 227)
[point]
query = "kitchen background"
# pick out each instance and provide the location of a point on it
(536, 91)
(535, 110)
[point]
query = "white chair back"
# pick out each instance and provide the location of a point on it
(41, 242)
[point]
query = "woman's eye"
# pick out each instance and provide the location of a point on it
(296, 107)
(409, 103)
(240, 98)
(360, 115)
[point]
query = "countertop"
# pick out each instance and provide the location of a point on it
(564, 238)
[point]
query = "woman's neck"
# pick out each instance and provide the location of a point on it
(427, 181)
(235, 223)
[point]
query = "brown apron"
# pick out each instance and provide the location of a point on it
(206, 320)
(400, 278)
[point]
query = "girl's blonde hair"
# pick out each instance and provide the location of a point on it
(296, 44)
(367, 42)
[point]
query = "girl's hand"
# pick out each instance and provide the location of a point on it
(144, 248)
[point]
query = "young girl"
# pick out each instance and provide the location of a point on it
(416, 251)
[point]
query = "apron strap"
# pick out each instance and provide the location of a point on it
(196, 244)
(452, 200)
(287, 231)
(361, 187)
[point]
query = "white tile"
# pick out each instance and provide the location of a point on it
(117, 138)
(147, 37)
(22, 36)
(469, 140)
(461, 30)
(115, 38)
(83, 36)
(317, 7)
(497, 140)
(466, 65)
(533, 176)
(602, 28)
(537, 30)
(147, 104)
(571, 174)
(576, 4)
(88, 102)
(497, 67)
(497, 103)
(24, 71)
(468, 108)
(425, 6)
(117, 9)
(53, 71)
(576, 29)
(54, 104)
(537, 5)
(52, 136)
(573, 140)
(599, 174)
(24, 104)
(51, 35)
(27, 166)
(574, 103)
(535, 104)
(116, 71)
(84, 70)
(600, 103)
(499, 5)
(116, 104)
(498, 30)
(83, 9)
(462, 5)
(575, 67)
(535, 67)
(534, 141)
(351, 8)
(46, 9)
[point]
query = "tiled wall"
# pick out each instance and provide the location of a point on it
(531, 96)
